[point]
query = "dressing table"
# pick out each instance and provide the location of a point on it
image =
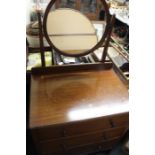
(80, 108)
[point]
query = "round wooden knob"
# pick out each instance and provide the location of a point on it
(99, 147)
(64, 133)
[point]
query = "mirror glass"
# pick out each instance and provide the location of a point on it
(70, 31)
(74, 28)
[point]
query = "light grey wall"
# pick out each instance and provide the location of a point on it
(28, 7)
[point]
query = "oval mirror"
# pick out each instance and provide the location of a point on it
(70, 32)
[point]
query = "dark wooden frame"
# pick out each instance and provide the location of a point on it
(71, 68)
(52, 2)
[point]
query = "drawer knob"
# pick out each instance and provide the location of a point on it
(99, 147)
(113, 125)
(105, 136)
(64, 133)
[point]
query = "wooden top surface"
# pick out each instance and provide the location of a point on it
(67, 97)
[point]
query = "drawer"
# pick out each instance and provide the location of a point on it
(88, 126)
(115, 132)
(81, 149)
(92, 148)
(119, 120)
(73, 142)
(72, 129)
(67, 143)
(84, 139)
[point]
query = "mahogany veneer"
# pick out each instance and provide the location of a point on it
(77, 112)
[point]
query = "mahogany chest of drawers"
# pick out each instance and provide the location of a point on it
(77, 113)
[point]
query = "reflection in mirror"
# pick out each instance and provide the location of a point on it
(68, 4)
(70, 31)
(88, 6)
(93, 9)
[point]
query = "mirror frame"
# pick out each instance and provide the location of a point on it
(100, 43)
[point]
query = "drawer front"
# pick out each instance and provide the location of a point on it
(92, 148)
(84, 140)
(88, 126)
(72, 129)
(82, 149)
(115, 132)
(119, 120)
(74, 142)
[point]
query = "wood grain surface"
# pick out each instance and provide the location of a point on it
(69, 97)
